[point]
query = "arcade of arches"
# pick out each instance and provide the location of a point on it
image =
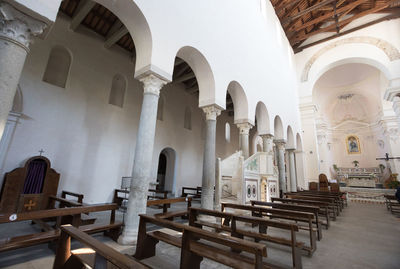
(220, 105)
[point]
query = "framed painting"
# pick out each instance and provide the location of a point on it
(353, 145)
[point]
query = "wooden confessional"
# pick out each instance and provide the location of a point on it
(28, 188)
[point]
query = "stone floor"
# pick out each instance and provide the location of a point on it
(364, 236)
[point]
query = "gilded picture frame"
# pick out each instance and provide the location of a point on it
(353, 144)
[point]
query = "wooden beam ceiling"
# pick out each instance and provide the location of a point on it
(302, 19)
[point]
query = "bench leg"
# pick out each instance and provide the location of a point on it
(113, 233)
(296, 255)
(189, 260)
(146, 245)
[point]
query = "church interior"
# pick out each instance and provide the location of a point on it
(199, 134)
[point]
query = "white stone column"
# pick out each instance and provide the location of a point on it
(244, 129)
(299, 157)
(16, 32)
(208, 180)
(268, 142)
(280, 146)
(396, 108)
(141, 173)
(292, 170)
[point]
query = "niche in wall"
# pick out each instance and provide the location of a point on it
(117, 93)
(58, 66)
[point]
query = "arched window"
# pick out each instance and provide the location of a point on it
(227, 132)
(160, 109)
(188, 119)
(57, 68)
(117, 93)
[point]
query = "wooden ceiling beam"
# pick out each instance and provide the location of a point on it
(285, 4)
(328, 15)
(84, 7)
(308, 10)
(193, 89)
(181, 70)
(185, 77)
(390, 17)
(115, 37)
(341, 23)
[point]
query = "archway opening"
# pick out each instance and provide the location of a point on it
(166, 170)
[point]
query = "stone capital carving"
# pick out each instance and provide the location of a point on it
(280, 144)
(244, 127)
(18, 27)
(212, 112)
(152, 84)
(267, 136)
(291, 150)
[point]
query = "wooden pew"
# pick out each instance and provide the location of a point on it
(230, 224)
(211, 245)
(273, 213)
(166, 203)
(333, 207)
(392, 204)
(102, 257)
(111, 229)
(157, 194)
(310, 209)
(191, 192)
(337, 196)
(79, 196)
(323, 207)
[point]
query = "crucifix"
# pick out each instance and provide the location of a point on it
(41, 151)
(387, 158)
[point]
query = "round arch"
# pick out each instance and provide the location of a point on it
(166, 174)
(278, 128)
(262, 117)
(18, 101)
(290, 143)
(134, 20)
(240, 103)
(203, 72)
(299, 142)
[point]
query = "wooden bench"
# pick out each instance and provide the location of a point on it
(122, 195)
(111, 229)
(338, 198)
(332, 205)
(282, 214)
(341, 195)
(98, 256)
(323, 207)
(157, 194)
(392, 204)
(229, 223)
(79, 196)
(310, 209)
(166, 203)
(197, 244)
(191, 192)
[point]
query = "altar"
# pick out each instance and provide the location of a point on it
(359, 177)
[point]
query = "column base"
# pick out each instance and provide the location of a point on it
(126, 239)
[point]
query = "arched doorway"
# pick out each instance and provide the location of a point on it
(166, 170)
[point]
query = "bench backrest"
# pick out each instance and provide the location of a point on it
(58, 212)
(304, 208)
(312, 198)
(274, 211)
(104, 253)
(79, 196)
(300, 201)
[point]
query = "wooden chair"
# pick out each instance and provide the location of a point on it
(313, 186)
(323, 182)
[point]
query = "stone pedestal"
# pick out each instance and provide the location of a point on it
(244, 129)
(208, 180)
(141, 174)
(16, 32)
(292, 169)
(280, 146)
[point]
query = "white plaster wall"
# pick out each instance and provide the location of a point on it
(90, 142)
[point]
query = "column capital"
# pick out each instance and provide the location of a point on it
(291, 150)
(267, 136)
(244, 127)
(212, 112)
(280, 143)
(18, 27)
(152, 84)
(393, 90)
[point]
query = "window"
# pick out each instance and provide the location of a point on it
(227, 132)
(160, 109)
(188, 119)
(57, 68)
(117, 93)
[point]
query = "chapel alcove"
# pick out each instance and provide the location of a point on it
(28, 188)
